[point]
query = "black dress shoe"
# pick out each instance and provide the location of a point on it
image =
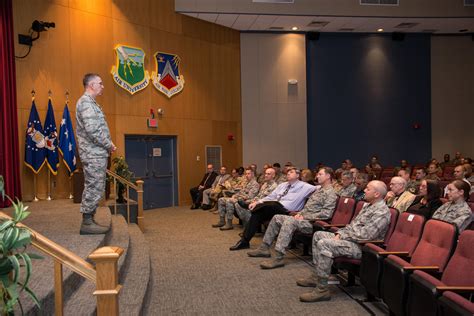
(206, 207)
(241, 244)
(195, 206)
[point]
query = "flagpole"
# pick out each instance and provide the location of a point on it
(70, 187)
(49, 186)
(35, 199)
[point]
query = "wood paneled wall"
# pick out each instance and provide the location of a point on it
(83, 41)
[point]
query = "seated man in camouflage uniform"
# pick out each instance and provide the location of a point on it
(361, 183)
(320, 205)
(267, 187)
(215, 188)
(371, 223)
(226, 204)
(347, 187)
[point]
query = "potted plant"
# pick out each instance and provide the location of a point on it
(15, 263)
(121, 168)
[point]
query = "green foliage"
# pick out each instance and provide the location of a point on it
(121, 168)
(15, 263)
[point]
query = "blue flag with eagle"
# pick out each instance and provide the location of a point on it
(67, 142)
(51, 140)
(34, 143)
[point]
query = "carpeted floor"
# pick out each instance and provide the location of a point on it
(195, 273)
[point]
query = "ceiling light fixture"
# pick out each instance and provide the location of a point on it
(379, 30)
(294, 28)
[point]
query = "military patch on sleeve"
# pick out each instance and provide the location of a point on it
(166, 77)
(129, 71)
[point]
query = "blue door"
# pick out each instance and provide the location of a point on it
(153, 159)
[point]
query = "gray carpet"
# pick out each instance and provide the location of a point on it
(193, 272)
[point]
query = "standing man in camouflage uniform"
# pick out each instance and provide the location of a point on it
(320, 205)
(226, 204)
(371, 223)
(95, 146)
(267, 187)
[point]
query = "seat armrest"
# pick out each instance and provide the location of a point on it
(335, 225)
(457, 289)
(396, 253)
(422, 268)
(363, 242)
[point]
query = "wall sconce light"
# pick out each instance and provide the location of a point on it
(160, 112)
(292, 81)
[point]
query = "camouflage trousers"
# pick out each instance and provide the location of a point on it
(284, 226)
(243, 213)
(94, 184)
(325, 249)
(226, 207)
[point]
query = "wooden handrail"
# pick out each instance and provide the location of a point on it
(138, 187)
(104, 276)
(59, 253)
(123, 180)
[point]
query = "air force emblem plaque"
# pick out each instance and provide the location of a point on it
(129, 72)
(166, 77)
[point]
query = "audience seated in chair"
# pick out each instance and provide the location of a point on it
(459, 174)
(412, 186)
(371, 223)
(226, 206)
(320, 205)
(361, 183)
(206, 182)
(242, 207)
(346, 188)
(287, 198)
(398, 197)
(428, 201)
(216, 189)
(456, 211)
(433, 171)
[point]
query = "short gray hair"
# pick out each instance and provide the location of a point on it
(88, 78)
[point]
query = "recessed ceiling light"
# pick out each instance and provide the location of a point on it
(379, 30)
(294, 28)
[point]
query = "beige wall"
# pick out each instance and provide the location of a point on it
(273, 112)
(86, 32)
(452, 95)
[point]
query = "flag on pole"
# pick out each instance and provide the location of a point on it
(51, 140)
(34, 144)
(67, 142)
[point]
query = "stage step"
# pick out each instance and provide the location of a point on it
(60, 221)
(82, 302)
(138, 270)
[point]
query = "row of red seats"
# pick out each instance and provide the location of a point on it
(404, 236)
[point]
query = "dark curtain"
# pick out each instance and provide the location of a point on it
(9, 154)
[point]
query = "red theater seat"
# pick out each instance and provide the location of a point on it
(404, 239)
(452, 304)
(458, 276)
(432, 254)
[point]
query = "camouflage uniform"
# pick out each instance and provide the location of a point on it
(320, 205)
(347, 191)
(371, 223)
(226, 204)
(95, 143)
(280, 178)
(215, 189)
(266, 188)
(459, 214)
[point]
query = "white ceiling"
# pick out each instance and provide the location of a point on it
(434, 16)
